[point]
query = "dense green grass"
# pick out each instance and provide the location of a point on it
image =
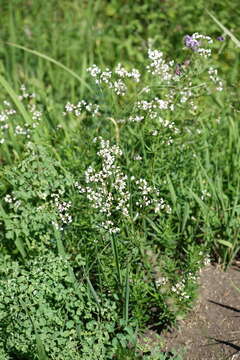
(107, 221)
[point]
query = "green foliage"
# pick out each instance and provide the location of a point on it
(109, 211)
(40, 299)
(36, 187)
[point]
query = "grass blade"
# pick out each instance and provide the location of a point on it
(40, 348)
(20, 246)
(48, 58)
(186, 213)
(126, 298)
(93, 292)
(15, 99)
(225, 243)
(226, 31)
(172, 191)
(201, 204)
(115, 253)
(39, 344)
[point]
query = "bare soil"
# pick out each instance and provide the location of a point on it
(212, 330)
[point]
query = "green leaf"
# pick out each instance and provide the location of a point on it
(69, 324)
(60, 246)
(9, 235)
(225, 243)
(172, 191)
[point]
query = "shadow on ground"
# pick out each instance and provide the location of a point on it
(211, 331)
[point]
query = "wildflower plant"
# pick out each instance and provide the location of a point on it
(12, 131)
(166, 87)
(34, 201)
(194, 42)
(114, 225)
(107, 190)
(124, 201)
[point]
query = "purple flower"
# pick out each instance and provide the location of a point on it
(220, 38)
(191, 43)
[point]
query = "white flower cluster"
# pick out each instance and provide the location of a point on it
(26, 130)
(12, 200)
(160, 204)
(149, 197)
(107, 189)
(158, 66)
(114, 79)
(192, 106)
(25, 94)
(145, 190)
(120, 121)
(205, 194)
(207, 260)
(137, 157)
(110, 227)
(213, 75)
(169, 141)
(160, 281)
(168, 72)
(62, 208)
(8, 198)
(119, 87)
(200, 50)
(7, 112)
(185, 95)
(123, 73)
(36, 114)
(168, 124)
(146, 90)
(32, 108)
(154, 106)
(136, 118)
(80, 107)
(179, 289)
(194, 42)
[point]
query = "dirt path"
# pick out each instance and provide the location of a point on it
(212, 329)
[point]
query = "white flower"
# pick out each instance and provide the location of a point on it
(8, 199)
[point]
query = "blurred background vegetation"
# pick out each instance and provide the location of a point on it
(79, 33)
